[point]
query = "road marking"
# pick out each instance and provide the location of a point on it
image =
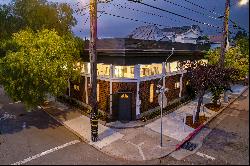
(205, 156)
(45, 152)
(138, 147)
(140, 150)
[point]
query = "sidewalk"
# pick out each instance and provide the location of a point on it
(133, 143)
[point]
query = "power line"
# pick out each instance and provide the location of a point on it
(149, 13)
(179, 15)
(218, 14)
(132, 19)
(189, 9)
(194, 4)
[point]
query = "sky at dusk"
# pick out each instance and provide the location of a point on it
(109, 26)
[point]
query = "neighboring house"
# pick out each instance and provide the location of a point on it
(184, 34)
(129, 71)
(215, 41)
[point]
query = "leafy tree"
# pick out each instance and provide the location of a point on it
(9, 23)
(236, 57)
(203, 77)
(240, 34)
(36, 15)
(41, 66)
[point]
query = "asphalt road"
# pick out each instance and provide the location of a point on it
(35, 138)
(228, 142)
(39, 139)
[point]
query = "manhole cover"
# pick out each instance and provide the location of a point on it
(189, 146)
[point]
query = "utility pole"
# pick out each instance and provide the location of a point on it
(93, 65)
(225, 34)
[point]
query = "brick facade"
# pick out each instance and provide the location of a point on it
(104, 97)
(144, 92)
(76, 93)
(173, 93)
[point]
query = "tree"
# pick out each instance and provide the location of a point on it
(203, 77)
(9, 23)
(41, 66)
(240, 34)
(36, 15)
(236, 57)
(220, 81)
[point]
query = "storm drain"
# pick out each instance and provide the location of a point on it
(189, 146)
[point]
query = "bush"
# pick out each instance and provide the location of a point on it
(169, 108)
(85, 111)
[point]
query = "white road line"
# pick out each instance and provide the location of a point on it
(205, 156)
(140, 150)
(45, 152)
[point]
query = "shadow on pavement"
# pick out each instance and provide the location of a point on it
(219, 139)
(14, 118)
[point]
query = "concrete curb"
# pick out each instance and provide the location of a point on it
(209, 120)
(80, 137)
(86, 141)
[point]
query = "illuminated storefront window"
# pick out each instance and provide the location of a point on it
(149, 70)
(177, 85)
(151, 97)
(98, 93)
(103, 70)
(124, 71)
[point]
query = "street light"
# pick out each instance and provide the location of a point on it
(161, 90)
(243, 2)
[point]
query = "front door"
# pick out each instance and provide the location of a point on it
(124, 107)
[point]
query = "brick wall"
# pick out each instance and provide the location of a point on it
(172, 93)
(78, 94)
(104, 97)
(145, 95)
(184, 82)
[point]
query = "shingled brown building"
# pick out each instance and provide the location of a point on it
(129, 71)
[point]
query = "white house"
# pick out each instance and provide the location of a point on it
(184, 34)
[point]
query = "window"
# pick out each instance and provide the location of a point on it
(177, 85)
(124, 72)
(103, 70)
(132, 70)
(151, 97)
(97, 91)
(76, 87)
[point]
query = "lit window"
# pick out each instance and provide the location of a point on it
(97, 91)
(151, 97)
(177, 85)
(76, 87)
(132, 70)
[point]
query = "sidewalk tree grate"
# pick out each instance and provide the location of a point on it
(189, 146)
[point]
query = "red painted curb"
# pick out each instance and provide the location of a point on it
(202, 125)
(190, 136)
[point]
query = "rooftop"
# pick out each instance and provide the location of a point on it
(124, 51)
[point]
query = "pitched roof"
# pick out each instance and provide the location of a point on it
(180, 30)
(215, 38)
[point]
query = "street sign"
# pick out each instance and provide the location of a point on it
(164, 100)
